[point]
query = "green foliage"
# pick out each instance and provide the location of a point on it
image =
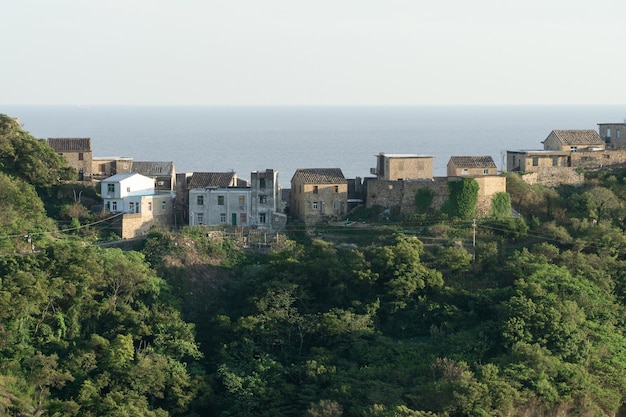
(501, 206)
(29, 159)
(462, 199)
(424, 200)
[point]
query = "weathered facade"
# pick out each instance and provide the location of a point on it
(214, 199)
(318, 194)
(393, 167)
(265, 199)
(471, 166)
(77, 152)
(529, 161)
(105, 167)
(401, 194)
(613, 134)
(573, 141)
(163, 173)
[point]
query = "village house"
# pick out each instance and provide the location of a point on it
(77, 152)
(531, 161)
(105, 167)
(613, 134)
(218, 198)
(393, 167)
(318, 194)
(163, 173)
(573, 141)
(401, 193)
(471, 166)
(133, 197)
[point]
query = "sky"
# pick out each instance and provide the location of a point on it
(322, 52)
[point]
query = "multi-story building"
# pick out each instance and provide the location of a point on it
(613, 134)
(318, 194)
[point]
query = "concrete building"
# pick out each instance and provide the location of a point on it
(77, 152)
(163, 173)
(219, 198)
(318, 194)
(133, 197)
(613, 134)
(393, 167)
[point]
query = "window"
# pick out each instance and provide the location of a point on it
(573, 148)
(200, 200)
(222, 217)
(535, 161)
(81, 157)
(199, 218)
(262, 218)
(608, 132)
(486, 171)
(263, 199)
(465, 171)
(242, 218)
(111, 188)
(262, 183)
(108, 206)
(335, 205)
(315, 205)
(149, 205)
(128, 189)
(114, 206)
(315, 189)
(555, 161)
(131, 207)
(163, 205)
(220, 200)
(242, 200)
(618, 132)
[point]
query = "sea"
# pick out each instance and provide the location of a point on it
(250, 138)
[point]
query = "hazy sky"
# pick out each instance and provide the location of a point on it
(322, 52)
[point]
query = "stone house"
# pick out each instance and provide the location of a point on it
(471, 166)
(218, 198)
(77, 152)
(104, 167)
(532, 161)
(164, 173)
(318, 194)
(133, 197)
(393, 167)
(573, 141)
(613, 134)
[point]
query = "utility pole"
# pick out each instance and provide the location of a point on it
(474, 238)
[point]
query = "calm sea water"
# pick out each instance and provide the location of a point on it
(245, 139)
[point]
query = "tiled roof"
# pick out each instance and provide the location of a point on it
(212, 179)
(473, 161)
(320, 175)
(70, 144)
(578, 137)
(153, 169)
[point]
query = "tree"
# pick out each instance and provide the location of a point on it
(30, 159)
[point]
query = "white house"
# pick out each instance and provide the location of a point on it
(134, 196)
(122, 192)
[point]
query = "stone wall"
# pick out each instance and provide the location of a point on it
(598, 159)
(401, 194)
(552, 177)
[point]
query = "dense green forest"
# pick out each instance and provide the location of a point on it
(432, 314)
